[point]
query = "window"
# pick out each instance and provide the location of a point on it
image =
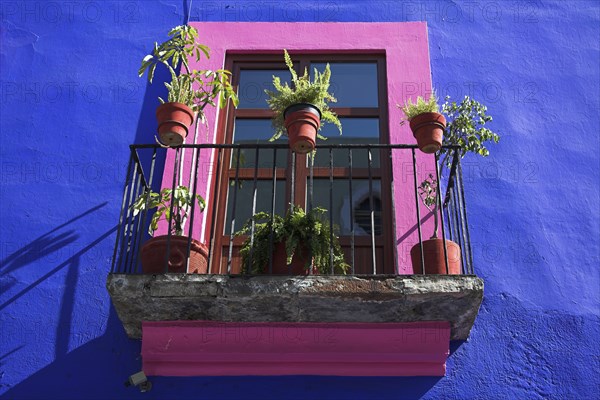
(358, 82)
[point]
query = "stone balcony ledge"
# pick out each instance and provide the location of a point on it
(317, 298)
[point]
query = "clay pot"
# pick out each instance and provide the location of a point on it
(435, 261)
(297, 267)
(302, 122)
(428, 129)
(154, 253)
(174, 121)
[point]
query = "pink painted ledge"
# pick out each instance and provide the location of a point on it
(208, 348)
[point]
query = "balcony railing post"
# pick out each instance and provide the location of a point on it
(133, 190)
(236, 183)
(352, 233)
(170, 219)
(440, 210)
(194, 184)
(463, 209)
(311, 184)
(393, 211)
(254, 195)
(293, 181)
(457, 227)
(145, 212)
(331, 211)
(273, 200)
(116, 264)
(211, 248)
(414, 162)
(372, 210)
(142, 187)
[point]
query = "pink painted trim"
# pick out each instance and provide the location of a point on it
(405, 45)
(206, 348)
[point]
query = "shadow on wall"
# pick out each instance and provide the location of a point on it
(45, 245)
(147, 128)
(414, 229)
(54, 242)
(95, 370)
(7, 354)
(31, 259)
(147, 125)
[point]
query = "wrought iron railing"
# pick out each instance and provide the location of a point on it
(364, 222)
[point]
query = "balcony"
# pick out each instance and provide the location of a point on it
(381, 284)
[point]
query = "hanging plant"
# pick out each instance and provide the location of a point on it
(190, 91)
(466, 129)
(300, 109)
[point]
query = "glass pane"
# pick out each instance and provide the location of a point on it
(257, 131)
(253, 84)
(353, 84)
(360, 204)
(355, 131)
(244, 200)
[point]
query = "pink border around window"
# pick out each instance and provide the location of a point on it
(405, 46)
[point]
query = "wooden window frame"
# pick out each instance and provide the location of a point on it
(238, 62)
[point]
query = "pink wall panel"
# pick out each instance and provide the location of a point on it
(408, 75)
(200, 348)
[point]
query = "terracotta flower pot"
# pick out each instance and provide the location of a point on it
(428, 129)
(302, 122)
(297, 267)
(154, 252)
(174, 121)
(435, 262)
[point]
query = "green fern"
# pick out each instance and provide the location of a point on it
(301, 91)
(411, 109)
(298, 230)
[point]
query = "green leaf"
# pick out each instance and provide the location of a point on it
(205, 50)
(151, 72)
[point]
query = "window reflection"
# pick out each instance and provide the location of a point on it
(353, 84)
(256, 131)
(344, 208)
(253, 83)
(356, 131)
(243, 192)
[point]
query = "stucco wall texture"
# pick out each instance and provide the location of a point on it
(71, 103)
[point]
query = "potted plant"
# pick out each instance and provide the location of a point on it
(433, 248)
(298, 240)
(189, 92)
(300, 109)
(466, 129)
(426, 123)
(154, 251)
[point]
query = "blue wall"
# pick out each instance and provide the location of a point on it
(71, 103)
